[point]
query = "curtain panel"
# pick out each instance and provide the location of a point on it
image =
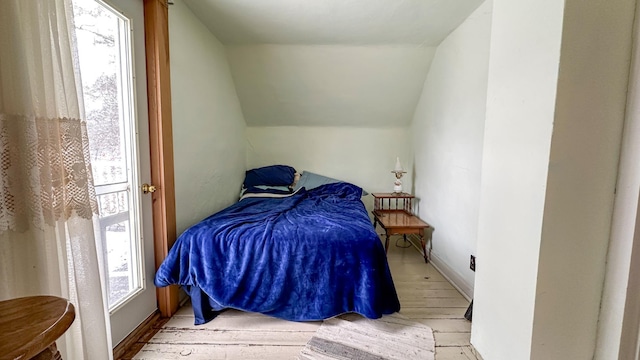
(47, 200)
(45, 173)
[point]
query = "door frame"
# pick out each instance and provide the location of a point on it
(156, 26)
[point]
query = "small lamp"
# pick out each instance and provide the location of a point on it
(397, 185)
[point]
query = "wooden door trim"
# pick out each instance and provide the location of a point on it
(156, 28)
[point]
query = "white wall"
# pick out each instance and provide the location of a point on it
(621, 282)
(448, 129)
(362, 156)
(208, 125)
(322, 85)
(556, 97)
(583, 164)
(523, 73)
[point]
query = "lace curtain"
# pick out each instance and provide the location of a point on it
(45, 173)
(47, 200)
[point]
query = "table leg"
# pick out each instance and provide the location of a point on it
(424, 247)
(386, 242)
(50, 353)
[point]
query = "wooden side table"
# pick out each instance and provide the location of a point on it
(30, 326)
(393, 211)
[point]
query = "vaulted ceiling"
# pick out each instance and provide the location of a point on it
(330, 62)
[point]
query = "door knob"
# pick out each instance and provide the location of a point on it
(146, 188)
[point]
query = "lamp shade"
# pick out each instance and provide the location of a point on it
(398, 167)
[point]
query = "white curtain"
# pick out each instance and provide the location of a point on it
(47, 200)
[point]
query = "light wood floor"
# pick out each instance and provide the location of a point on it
(425, 296)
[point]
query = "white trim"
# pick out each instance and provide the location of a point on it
(445, 270)
(452, 276)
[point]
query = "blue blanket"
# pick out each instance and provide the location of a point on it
(310, 256)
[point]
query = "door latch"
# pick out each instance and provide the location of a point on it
(146, 188)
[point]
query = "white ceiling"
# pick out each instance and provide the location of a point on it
(376, 22)
(330, 62)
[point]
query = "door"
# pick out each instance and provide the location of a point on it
(110, 39)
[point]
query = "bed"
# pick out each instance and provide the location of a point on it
(302, 256)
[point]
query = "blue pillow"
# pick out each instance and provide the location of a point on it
(309, 180)
(274, 175)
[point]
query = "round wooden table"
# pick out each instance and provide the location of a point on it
(30, 326)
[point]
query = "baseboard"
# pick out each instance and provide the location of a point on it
(452, 276)
(131, 344)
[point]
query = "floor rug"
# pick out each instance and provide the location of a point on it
(353, 337)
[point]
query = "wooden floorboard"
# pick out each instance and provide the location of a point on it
(425, 296)
(215, 352)
(455, 353)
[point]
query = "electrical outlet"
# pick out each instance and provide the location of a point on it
(472, 263)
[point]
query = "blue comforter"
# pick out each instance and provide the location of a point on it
(309, 256)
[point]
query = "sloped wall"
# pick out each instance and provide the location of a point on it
(329, 85)
(208, 125)
(447, 131)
